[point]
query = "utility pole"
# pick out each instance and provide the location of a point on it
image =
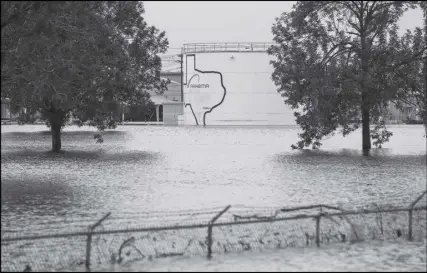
(182, 77)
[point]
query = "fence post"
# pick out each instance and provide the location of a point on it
(209, 239)
(411, 207)
(410, 225)
(88, 248)
(318, 230)
(89, 239)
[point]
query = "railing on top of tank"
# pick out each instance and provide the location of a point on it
(225, 47)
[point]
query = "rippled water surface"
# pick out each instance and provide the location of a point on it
(143, 168)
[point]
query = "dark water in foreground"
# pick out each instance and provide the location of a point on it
(140, 168)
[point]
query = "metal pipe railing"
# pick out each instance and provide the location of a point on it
(226, 47)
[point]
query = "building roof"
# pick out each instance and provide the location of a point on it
(159, 100)
(170, 73)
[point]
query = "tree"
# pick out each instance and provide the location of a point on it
(412, 77)
(416, 75)
(342, 61)
(141, 112)
(80, 59)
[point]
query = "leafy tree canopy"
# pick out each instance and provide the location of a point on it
(342, 61)
(78, 58)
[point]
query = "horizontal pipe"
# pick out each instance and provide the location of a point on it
(64, 235)
(226, 47)
(234, 43)
(224, 51)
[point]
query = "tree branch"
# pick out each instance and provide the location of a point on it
(353, 33)
(335, 54)
(14, 16)
(405, 101)
(411, 59)
(346, 4)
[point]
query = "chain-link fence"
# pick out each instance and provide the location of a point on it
(153, 235)
(49, 254)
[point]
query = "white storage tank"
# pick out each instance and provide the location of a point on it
(230, 84)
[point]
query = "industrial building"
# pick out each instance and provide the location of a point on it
(224, 84)
(5, 109)
(169, 104)
(230, 84)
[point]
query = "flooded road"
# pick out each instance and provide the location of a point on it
(143, 168)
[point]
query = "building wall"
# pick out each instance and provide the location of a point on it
(249, 98)
(174, 88)
(171, 111)
(5, 112)
(397, 116)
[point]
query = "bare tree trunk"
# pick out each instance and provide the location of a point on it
(366, 133)
(424, 110)
(56, 137)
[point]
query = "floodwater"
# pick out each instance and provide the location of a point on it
(145, 168)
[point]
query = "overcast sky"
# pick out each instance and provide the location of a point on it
(226, 21)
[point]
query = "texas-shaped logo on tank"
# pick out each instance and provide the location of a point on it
(198, 84)
(205, 92)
